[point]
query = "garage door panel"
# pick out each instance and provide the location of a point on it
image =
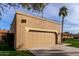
(39, 40)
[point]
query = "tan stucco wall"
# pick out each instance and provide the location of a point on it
(27, 40)
(35, 22)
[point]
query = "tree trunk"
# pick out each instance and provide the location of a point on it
(42, 13)
(62, 29)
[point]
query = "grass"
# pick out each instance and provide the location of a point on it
(72, 42)
(6, 50)
(5, 47)
(15, 53)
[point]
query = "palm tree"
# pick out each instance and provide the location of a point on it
(63, 12)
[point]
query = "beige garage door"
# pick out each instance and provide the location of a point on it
(39, 39)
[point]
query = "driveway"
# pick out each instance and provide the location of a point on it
(58, 50)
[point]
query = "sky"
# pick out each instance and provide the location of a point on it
(71, 23)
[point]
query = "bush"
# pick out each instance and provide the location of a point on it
(9, 40)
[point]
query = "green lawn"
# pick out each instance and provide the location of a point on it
(72, 42)
(5, 50)
(15, 53)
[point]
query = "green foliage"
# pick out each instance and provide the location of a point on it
(6, 50)
(9, 41)
(34, 6)
(5, 47)
(37, 7)
(16, 53)
(72, 42)
(63, 11)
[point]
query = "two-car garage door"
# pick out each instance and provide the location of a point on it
(39, 39)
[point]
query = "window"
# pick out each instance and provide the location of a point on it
(23, 21)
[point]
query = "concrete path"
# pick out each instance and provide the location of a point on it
(58, 50)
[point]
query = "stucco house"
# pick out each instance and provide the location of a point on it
(32, 32)
(67, 35)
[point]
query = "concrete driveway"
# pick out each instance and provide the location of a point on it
(58, 50)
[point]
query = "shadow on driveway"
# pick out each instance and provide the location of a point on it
(49, 53)
(57, 54)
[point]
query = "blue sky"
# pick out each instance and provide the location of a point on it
(51, 13)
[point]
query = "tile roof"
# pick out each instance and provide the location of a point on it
(3, 31)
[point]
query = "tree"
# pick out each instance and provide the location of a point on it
(36, 7)
(63, 12)
(3, 6)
